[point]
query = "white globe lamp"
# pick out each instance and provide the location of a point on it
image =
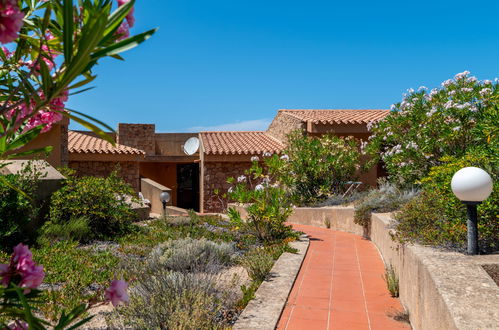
(165, 198)
(472, 185)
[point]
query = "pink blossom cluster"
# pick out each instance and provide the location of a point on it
(11, 20)
(117, 292)
(124, 29)
(22, 266)
(47, 117)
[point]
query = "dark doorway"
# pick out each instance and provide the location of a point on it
(188, 186)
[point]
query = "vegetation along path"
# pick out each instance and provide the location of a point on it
(340, 286)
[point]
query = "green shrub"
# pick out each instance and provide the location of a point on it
(105, 202)
(76, 229)
(438, 218)
(386, 198)
(19, 212)
(191, 255)
(319, 167)
(175, 300)
(258, 263)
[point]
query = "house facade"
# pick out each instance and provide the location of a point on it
(195, 179)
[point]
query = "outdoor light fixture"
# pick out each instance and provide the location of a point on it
(472, 185)
(165, 198)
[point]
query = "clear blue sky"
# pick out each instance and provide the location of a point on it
(231, 64)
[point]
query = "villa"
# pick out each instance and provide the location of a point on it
(193, 179)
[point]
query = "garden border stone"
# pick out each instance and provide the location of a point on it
(264, 311)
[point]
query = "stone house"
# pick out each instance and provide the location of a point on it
(193, 179)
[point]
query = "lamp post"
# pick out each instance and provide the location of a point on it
(165, 198)
(472, 185)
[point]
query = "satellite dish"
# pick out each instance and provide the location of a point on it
(191, 146)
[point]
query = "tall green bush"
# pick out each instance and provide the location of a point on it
(105, 202)
(453, 120)
(320, 167)
(438, 218)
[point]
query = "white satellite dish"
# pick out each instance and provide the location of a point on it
(191, 146)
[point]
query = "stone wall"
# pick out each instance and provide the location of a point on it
(129, 171)
(215, 177)
(140, 136)
(283, 124)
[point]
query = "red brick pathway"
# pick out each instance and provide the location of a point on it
(340, 286)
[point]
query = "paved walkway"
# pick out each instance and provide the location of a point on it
(340, 286)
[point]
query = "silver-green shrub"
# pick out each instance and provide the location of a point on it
(387, 198)
(176, 300)
(191, 255)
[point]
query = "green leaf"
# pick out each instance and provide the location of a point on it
(124, 45)
(23, 139)
(68, 31)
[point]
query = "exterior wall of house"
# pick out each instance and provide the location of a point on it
(57, 137)
(140, 136)
(215, 176)
(129, 170)
(283, 124)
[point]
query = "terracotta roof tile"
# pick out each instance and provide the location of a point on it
(337, 116)
(86, 143)
(239, 143)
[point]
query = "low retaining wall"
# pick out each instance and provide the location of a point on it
(151, 190)
(441, 290)
(264, 311)
(333, 217)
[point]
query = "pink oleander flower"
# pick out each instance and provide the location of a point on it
(11, 21)
(22, 265)
(129, 18)
(123, 31)
(18, 325)
(117, 292)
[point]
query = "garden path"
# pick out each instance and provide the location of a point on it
(340, 286)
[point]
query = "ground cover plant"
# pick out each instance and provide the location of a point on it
(189, 272)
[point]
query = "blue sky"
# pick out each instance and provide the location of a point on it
(230, 65)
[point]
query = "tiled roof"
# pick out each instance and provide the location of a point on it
(239, 143)
(79, 142)
(337, 116)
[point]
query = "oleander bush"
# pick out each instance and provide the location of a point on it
(105, 202)
(319, 167)
(191, 255)
(263, 190)
(452, 120)
(436, 217)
